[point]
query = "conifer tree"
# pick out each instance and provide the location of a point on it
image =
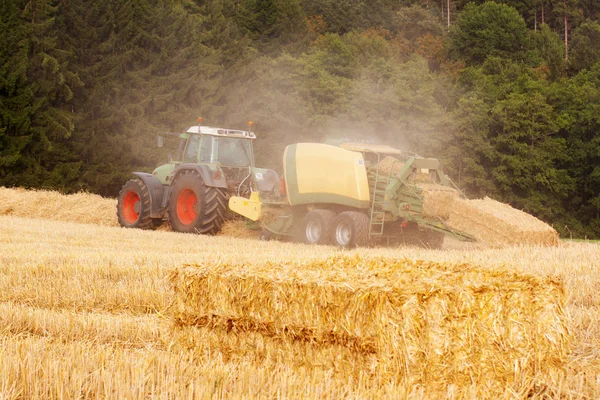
(36, 94)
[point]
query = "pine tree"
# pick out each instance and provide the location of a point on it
(36, 118)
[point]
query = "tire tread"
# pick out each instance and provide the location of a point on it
(212, 210)
(145, 221)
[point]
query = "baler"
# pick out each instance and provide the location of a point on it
(350, 195)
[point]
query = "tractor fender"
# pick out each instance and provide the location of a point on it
(156, 190)
(205, 172)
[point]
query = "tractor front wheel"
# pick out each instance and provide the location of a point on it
(133, 206)
(351, 229)
(195, 207)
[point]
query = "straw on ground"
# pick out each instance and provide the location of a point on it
(85, 313)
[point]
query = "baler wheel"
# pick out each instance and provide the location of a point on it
(133, 206)
(317, 226)
(265, 235)
(351, 229)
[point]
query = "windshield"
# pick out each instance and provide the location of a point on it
(232, 152)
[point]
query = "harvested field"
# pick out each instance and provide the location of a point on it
(237, 228)
(85, 313)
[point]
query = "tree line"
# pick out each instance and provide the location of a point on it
(505, 93)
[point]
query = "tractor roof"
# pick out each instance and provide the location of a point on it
(211, 130)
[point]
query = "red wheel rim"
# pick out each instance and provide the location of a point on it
(186, 203)
(129, 202)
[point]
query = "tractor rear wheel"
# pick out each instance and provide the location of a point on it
(133, 205)
(351, 229)
(316, 226)
(195, 207)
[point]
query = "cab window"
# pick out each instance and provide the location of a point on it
(206, 149)
(191, 151)
(234, 152)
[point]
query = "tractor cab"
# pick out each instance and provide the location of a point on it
(226, 152)
(208, 145)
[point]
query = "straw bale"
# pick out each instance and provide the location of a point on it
(428, 323)
(437, 200)
(392, 166)
(389, 166)
(80, 207)
(499, 224)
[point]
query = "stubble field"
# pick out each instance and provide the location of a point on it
(85, 313)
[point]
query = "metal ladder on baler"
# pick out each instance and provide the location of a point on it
(377, 219)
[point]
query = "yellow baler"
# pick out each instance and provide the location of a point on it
(335, 195)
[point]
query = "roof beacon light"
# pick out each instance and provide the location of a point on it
(199, 120)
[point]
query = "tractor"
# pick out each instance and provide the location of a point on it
(191, 191)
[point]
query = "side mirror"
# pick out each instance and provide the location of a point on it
(160, 141)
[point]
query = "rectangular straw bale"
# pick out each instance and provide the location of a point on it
(499, 224)
(389, 166)
(428, 323)
(437, 200)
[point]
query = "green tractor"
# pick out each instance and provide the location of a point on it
(192, 190)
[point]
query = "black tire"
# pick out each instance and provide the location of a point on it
(350, 229)
(265, 235)
(157, 223)
(195, 207)
(317, 226)
(133, 206)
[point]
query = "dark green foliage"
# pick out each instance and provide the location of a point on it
(35, 96)
(258, 17)
(526, 8)
(585, 46)
(550, 50)
(578, 118)
(349, 15)
(527, 150)
(489, 29)
(415, 22)
(271, 19)
(507, 142)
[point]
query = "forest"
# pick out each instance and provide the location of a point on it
(505, 93)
